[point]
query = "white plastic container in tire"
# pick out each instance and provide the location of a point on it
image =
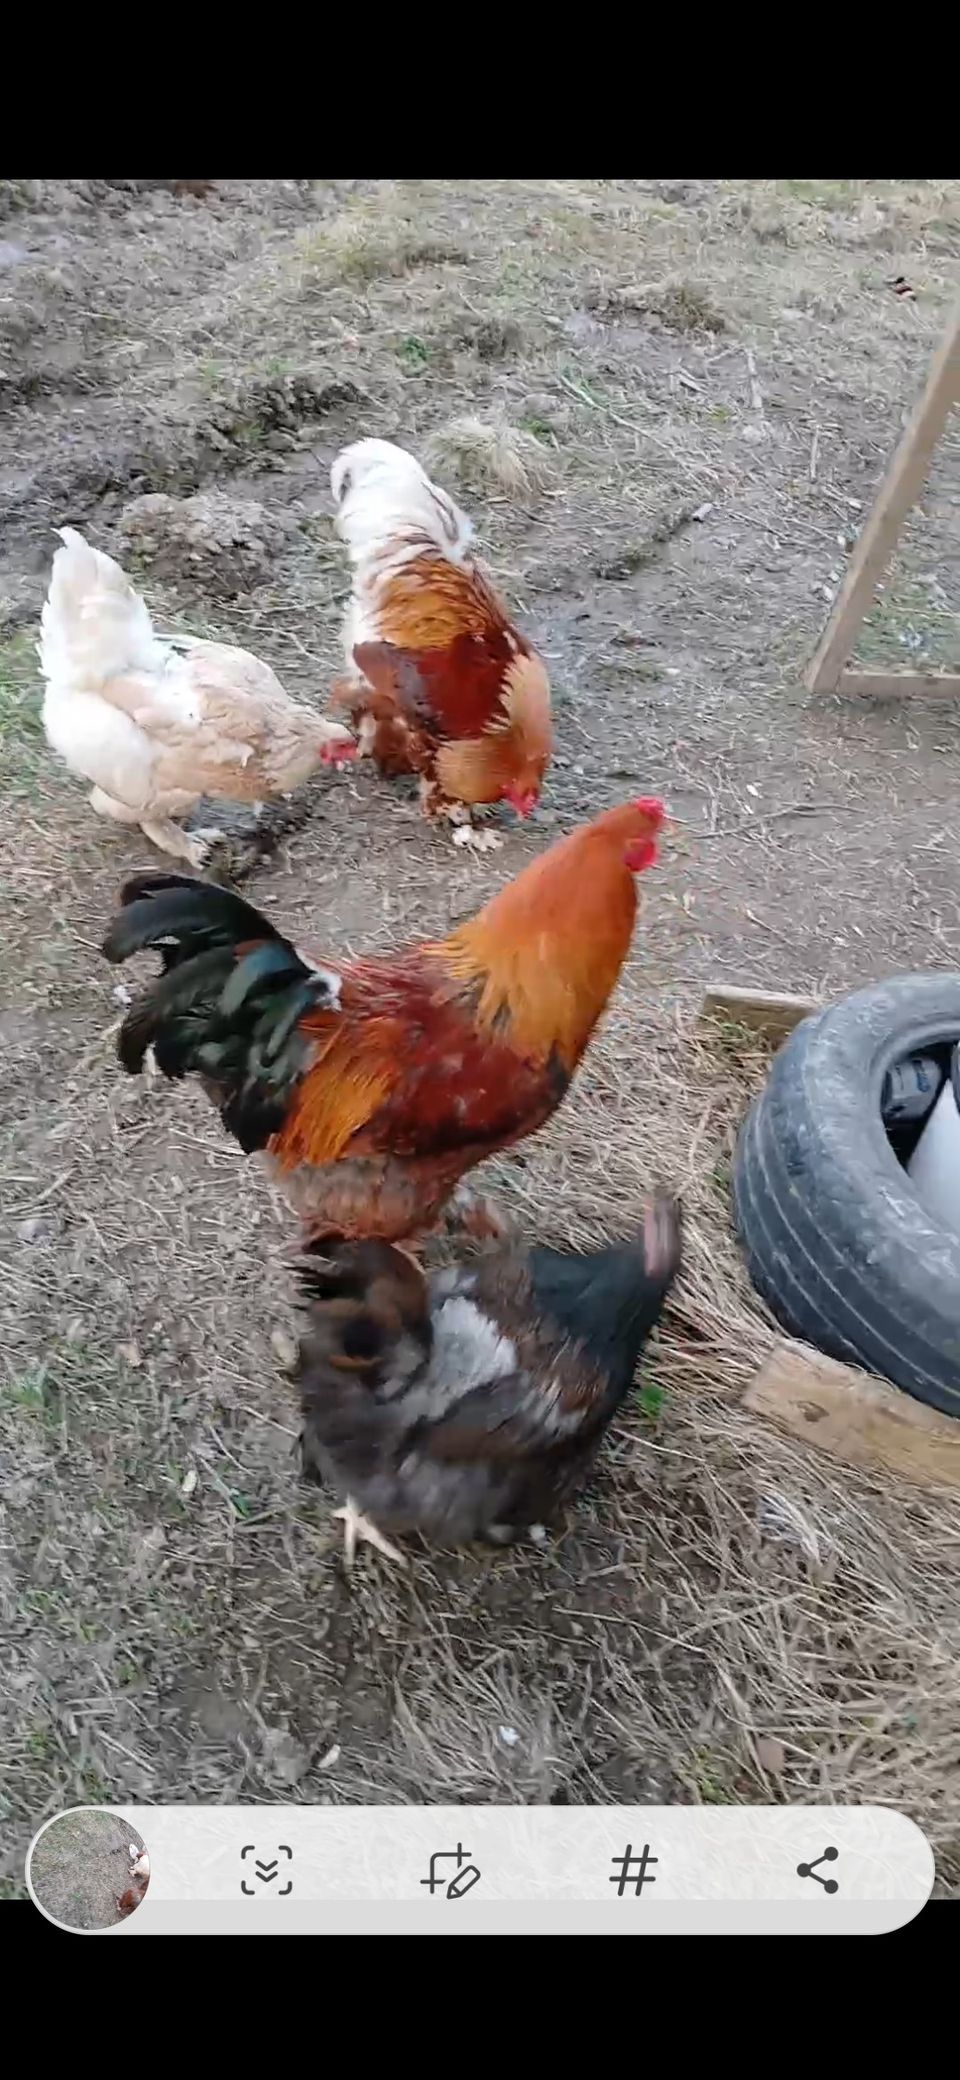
(934, 1167)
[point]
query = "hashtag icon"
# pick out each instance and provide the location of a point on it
(625, 1874)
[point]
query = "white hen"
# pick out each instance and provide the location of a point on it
(156, 722)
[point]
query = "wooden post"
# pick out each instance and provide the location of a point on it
(855, 1417)
(773, 1013)
(879, 535)
(891, 686)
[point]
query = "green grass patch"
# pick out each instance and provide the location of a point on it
(826, 194)
(414, 354)
(707, 1773)
(908, 624)
(22, 744)
(650, 1399)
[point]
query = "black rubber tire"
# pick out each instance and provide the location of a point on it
(836, 1240)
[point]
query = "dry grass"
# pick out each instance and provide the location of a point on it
(680, 305)
(802, 1582)
(491, 457)
(364, 245)
(727, 1616)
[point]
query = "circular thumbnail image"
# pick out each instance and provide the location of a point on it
(87, 1869)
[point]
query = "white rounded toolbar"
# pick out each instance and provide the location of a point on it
(453, 1870)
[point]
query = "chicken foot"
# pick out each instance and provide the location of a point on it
(357, 1527)
(193, 846)
(167, 836)
(476, 1215)
(465, 832)
(469, 838)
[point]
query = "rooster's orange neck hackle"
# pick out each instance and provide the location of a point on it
(546, 952)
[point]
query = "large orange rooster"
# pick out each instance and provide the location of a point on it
(377, 1083)
(439, 682)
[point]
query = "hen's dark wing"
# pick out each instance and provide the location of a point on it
(348, 1426)
(519, 1417)
(605, 1301)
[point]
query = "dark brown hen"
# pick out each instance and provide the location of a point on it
(469, 1403)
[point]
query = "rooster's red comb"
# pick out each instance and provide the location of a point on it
(648, 805)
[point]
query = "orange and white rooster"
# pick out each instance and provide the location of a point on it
(439, 682)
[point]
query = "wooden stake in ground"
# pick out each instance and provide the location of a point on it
(773, 1013)
(855, 1417)
(878, 538)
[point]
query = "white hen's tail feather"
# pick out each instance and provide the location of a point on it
(94, 626)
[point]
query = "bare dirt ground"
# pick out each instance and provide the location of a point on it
(727, 1617)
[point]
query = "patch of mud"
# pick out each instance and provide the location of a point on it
(44, 349)
(211, 543)
(264, 418)
(273, 411)
(490, 339)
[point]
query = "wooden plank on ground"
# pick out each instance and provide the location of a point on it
(894, 686)
(855, 1417)
(771, 1012)
(899, 491)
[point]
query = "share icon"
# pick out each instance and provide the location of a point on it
(809, 1870)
